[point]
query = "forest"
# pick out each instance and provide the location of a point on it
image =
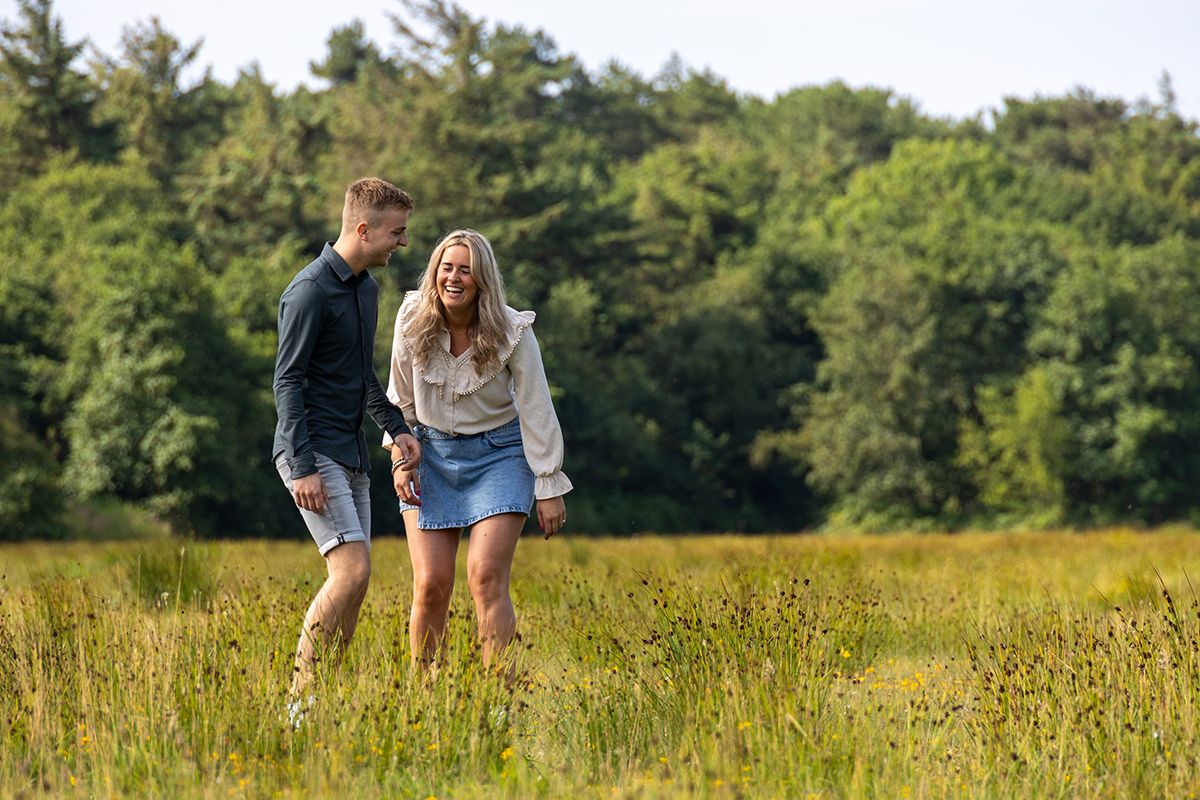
(825, 310)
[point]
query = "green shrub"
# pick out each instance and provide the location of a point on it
(30, 498)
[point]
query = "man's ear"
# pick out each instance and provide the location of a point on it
(361, 229)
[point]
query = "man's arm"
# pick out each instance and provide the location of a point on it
(389, 417)
(386, 415)
(301, 315)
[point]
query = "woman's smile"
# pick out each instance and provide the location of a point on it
(455, 284)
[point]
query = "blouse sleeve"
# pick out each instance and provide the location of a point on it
(400, 388)
(540, 431)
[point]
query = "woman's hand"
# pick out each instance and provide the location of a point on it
(406, 480)
(552, 515)
(407, 483)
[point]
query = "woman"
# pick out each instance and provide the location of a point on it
(467, 373)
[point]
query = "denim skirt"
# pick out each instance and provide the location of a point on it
(467, 478)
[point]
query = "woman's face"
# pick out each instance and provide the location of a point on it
(455, 285)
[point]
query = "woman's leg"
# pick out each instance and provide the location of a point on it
(432, 554)
(489, 566)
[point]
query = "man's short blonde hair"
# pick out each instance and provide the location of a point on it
(368, 197)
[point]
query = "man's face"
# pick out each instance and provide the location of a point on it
(389, 231)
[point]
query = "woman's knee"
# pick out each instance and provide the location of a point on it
(432, 591)
(487, 582)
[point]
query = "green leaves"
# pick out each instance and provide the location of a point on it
(53, 100)
(136, 380)
(159, 119)
(1017, 455)
(30, 501)
(1120, 343)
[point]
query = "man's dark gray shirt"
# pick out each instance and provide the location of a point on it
(324, 375)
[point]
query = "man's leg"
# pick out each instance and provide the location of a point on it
(432, 554)
(343, 536)
(331, 619)
(490, 550)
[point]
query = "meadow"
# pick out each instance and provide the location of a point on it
(1053, 664)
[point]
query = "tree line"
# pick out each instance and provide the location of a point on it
(824, 309)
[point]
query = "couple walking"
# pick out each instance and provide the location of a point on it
(467, 417)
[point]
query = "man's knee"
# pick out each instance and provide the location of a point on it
(350, 566)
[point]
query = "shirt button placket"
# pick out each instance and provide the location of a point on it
(450, 399)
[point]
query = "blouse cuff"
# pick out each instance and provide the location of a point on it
(552, 485)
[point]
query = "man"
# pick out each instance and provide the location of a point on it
(324, 379)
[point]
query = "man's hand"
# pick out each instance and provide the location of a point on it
(407, 450)
(309, 492)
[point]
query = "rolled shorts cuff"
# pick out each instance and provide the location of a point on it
(347, 515)
(342, 538)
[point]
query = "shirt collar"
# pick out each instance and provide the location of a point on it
(339, 265)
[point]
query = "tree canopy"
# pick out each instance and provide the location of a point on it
(826, 309)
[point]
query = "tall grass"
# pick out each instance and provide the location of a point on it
(1052, 665)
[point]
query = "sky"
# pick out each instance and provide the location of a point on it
(953, 58)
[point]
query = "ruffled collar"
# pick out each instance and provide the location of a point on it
(460, 373)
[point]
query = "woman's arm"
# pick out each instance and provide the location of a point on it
(540, 433)
(540, 430)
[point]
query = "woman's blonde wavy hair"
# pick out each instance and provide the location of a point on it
(490, 325)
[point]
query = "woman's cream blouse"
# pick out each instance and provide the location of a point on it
(449, 395)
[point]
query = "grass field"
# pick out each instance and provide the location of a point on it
(976, 665)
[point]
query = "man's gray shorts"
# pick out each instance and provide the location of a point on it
(347, 516)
